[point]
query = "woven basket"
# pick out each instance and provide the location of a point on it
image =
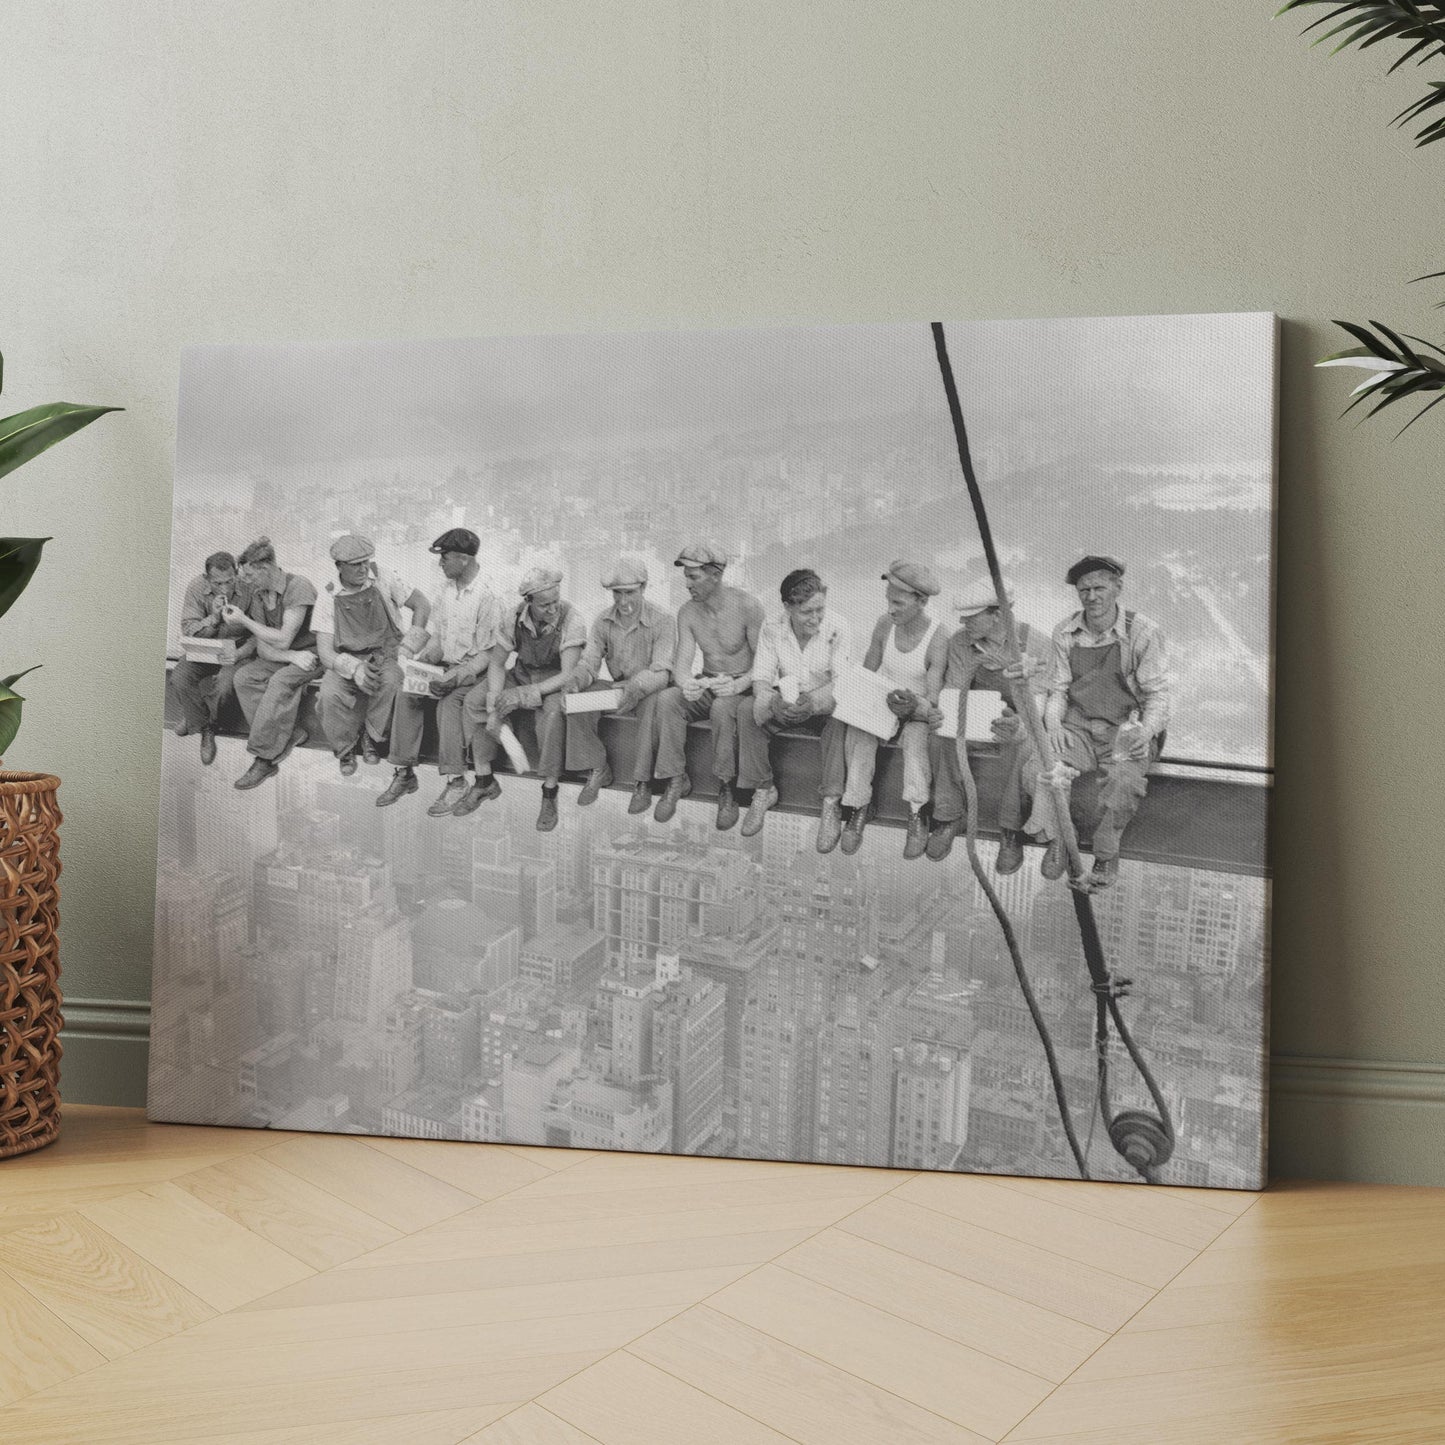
(29, 962)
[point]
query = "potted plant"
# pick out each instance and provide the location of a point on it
(29, 845)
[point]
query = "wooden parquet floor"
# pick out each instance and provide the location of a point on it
(162, 1284)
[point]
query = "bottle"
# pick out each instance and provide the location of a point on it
(1126, 740)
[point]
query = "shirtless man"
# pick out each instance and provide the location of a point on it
(724, 624)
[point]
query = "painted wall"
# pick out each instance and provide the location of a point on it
(259, 170)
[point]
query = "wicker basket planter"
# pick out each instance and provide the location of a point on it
(29, 962)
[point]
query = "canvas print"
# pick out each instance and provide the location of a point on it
(846, 744)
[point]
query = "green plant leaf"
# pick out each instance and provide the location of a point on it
(10, 704)
(28, 433)
(19, 557)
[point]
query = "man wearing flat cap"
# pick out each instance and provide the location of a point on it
(359, 632)
(722, 623)
(461, 630)
(547, 636)
(1106, 710)
(908, 648)
(634, 642)
(978, 660)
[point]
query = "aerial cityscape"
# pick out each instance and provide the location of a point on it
(322, 963)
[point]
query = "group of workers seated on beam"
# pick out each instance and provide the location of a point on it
(1100, 684)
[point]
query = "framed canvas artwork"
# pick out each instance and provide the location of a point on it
(840, 744)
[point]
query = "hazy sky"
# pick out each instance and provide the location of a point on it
(1112, 388)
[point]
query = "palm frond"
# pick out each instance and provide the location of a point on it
(1419, 24)
(1397, 370)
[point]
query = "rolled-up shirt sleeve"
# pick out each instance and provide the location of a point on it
(1059, 673)
(664, 648)
(765, 660)
(1151, 678)
(589, 665)
(196, 618)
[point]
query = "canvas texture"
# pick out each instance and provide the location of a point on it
(406, 887)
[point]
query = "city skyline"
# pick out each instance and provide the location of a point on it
(322, 963)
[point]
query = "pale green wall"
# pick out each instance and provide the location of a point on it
(249, 169)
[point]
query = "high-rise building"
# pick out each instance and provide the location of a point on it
(853, 1123)
(650, 895)
(930, 1105)
(531, 1079)
(567, 960)
(201, 923)
(687, 1030)
(304, 899)
(450, 1037)
(373, 966)
(520, 891)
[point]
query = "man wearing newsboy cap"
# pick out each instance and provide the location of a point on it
(722, 623)
(977, 661)
(462, 628)
(908, 649)
(547, 636)
(634, 641)
(359, 632)
(1106, 710)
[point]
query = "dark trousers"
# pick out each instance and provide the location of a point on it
(551, 724)
(1123, 782)
(949, 803)
(407, 721)
(270, 695)
(674, 712)
(755, 764)
(584, 744)
(346, 709)
(201, 688)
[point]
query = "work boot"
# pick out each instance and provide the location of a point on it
(347, 763)
(547, 813)
(641, 799)
(403, 781)
(677, 789)
(727, 807)
(853, 826)
(757, 814)
(1105, 874)
(482, 791)
(256, 774)
(597, 779)
(449, 797)
(298, 737)
(369, 755)
(830, 825)
(916, 839)
(940, 839)
(1054, 862)
(208, 747)
(1010, 852)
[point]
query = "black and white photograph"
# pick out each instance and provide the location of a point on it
(846, 744)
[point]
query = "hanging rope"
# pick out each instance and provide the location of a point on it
(1145, 1140)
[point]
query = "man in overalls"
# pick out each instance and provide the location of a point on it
(359, 632)
(547, 635)
(977, 661)
(1106, 710)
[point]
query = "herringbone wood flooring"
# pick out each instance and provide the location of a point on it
(162, 1283)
